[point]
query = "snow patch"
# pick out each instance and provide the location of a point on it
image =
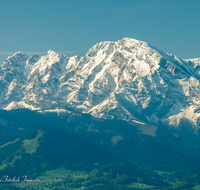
(117, 138)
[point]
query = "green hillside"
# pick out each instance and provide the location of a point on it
(77, 150)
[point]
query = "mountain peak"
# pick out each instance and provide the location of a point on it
(19, 53)
(130, 39)
(52, 53)
(18, 56)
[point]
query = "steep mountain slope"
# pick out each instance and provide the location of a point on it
(127, 79)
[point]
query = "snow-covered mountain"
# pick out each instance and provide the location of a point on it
(127, 79)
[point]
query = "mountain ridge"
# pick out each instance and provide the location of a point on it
(128, 79)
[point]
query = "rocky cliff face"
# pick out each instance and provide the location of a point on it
(127, 79)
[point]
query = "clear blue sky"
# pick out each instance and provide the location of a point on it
(73, 26)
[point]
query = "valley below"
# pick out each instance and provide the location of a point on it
(78, 151)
